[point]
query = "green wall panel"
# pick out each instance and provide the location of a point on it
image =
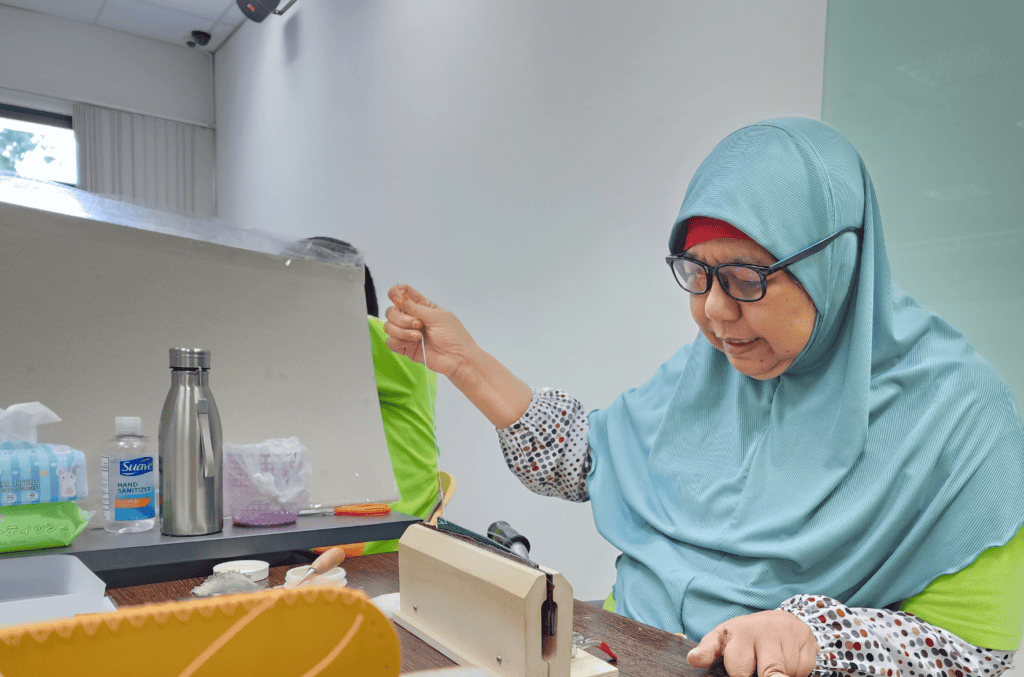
(932, 94)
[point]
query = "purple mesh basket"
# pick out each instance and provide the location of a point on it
(248, 505)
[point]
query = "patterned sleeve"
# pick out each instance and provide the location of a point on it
(859, 641)
(547, 447)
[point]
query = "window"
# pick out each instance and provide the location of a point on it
(38, 145)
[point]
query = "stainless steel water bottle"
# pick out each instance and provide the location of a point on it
(190, 445)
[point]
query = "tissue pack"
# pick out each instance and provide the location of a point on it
(34, 473)
(48, 525)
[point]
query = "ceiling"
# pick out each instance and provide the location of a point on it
(165, 20)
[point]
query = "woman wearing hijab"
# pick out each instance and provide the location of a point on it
(828, 478)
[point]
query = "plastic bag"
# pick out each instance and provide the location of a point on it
(267, 483)
(19, 423)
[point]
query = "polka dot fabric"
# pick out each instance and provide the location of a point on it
(547, 450)
(857, 641)
(547, 447)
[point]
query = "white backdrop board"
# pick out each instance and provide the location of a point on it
(89, 307)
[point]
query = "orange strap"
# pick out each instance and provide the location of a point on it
(363, 509)
(358, 510)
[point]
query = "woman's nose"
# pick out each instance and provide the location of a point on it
(720, 306)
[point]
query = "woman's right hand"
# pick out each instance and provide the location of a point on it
(414, 321)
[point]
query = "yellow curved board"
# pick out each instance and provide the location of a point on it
(306, 632)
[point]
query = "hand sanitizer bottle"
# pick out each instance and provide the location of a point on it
(129, 480)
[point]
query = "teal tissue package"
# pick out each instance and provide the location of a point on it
(34, 473)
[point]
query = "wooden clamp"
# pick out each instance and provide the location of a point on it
(485, 609)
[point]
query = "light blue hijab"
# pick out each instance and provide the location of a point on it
(888, 454)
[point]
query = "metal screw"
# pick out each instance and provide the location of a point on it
(499, 660)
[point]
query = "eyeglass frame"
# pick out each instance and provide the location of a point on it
(711, 272)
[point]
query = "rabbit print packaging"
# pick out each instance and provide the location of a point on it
(38, 483)
(31, 472)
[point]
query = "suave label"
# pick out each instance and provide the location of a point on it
(128, 489)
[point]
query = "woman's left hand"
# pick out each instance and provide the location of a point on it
(772, 642)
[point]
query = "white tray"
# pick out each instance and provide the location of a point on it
(45, 587)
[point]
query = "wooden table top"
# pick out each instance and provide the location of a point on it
(643, 651)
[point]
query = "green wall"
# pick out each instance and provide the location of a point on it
(932, 94)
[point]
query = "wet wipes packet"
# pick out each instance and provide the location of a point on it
(41, 473)
(47, 525)
(34, 472)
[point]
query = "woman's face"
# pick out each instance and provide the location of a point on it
(760, 338)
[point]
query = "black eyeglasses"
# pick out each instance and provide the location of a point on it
(743, 282)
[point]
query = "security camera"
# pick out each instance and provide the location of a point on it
(258, 10)
(201, 38)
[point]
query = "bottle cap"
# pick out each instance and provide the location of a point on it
(128, 425)
(189, 358)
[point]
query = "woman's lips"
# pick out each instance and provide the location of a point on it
(738, 346)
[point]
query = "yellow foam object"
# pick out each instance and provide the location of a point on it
(303, 632)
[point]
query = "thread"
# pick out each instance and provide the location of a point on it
(433, 417)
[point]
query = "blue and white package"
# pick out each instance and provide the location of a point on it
(33, 473)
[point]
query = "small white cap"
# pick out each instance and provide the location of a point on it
(127, 425)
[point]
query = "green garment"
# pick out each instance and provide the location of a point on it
(407, 393)
(982, 604)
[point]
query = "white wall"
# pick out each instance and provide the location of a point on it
(72, 61)
(521, 164)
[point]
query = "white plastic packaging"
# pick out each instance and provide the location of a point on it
(266, 484)
(226, 583)
(128, 474)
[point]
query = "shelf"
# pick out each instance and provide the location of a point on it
(132, 559)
